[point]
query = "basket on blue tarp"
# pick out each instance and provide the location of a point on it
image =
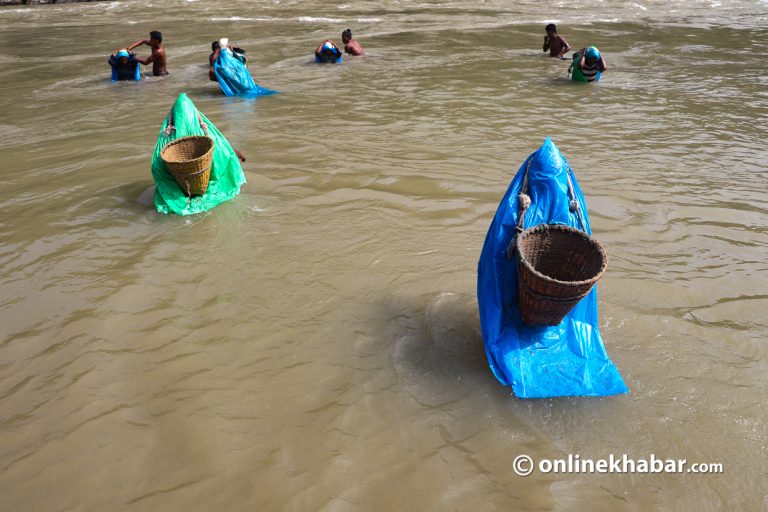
(557, 266)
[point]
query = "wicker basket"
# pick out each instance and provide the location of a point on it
(557, 267)
(188, 159)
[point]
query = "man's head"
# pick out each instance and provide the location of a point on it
(551, 29)
(155, 38)
(215, 46)
(346, 36)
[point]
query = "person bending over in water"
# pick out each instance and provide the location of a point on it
(157, 58)
(327, 52)
(351, 46)
(216, 51)
(590, 62)
(124, 63)
(555, 43)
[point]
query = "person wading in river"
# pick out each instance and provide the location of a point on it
(124, 62)
(590, 63)
(327, 52)
(351, 46)
(157, 58)
(554, 42)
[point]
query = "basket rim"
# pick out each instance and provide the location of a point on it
(560, 227)
(188, 137)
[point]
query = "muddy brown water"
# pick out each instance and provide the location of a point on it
(314, 344)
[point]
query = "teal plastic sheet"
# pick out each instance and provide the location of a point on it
(234, 78)
(226, 173)
(564, 360)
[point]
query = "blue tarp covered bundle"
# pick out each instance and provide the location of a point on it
(130, 71)
(234, 78)
(538, 362)
(332, 57)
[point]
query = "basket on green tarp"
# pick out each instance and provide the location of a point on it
(188, 159)
(226, 178)
(557, 267)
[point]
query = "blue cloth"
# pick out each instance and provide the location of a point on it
(234, 78)
(321, 59)
(129, 71)
(538, 362)
(592, 53)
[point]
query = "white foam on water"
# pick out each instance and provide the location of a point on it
(313, 19)
(240, 18)
(368, 20)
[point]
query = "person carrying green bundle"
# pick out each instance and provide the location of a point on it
(227, 175)
(588, 65)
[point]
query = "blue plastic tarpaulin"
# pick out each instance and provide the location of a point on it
(538, 362)
(234, 78)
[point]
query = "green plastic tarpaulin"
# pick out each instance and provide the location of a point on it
(226, 173)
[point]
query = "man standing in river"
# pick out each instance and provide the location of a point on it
(351, 46)
(555, 43)
(157, 58)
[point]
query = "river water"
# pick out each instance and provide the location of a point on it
(314, 344)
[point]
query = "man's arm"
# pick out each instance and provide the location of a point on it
(546, 44)
(601, 65)
(137, 43)
(565, 47)
(149, 60)
(583, 58)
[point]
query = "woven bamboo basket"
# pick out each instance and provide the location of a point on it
(557, 267)
(188, 159)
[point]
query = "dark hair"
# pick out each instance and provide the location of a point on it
(215, 46)
(551, 28)
(347, 33)
(156, 36)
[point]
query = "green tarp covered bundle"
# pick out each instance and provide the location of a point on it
(226, 173)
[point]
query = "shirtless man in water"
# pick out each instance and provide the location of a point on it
(351, 46)
(157, 58)
(555, 43)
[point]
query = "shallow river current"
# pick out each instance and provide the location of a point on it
(314, 344)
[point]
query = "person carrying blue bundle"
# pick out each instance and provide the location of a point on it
(540, 360)
(328, 53)
(588, 65)
(215, 52)
(124, 66)
(228, 68)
